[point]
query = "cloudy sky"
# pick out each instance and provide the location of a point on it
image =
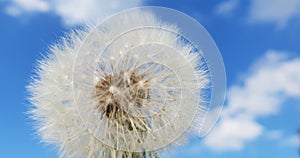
(259, 43)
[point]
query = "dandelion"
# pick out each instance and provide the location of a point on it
(126, 88)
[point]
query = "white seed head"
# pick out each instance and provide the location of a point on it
(127, 87)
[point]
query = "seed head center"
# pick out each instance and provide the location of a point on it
(115, 93)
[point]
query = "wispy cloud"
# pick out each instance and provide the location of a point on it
(274, 11)
(269, 83)
(292, 141)
(71, 11)
(283, 140)
(274, 135)
(226, 7)
(278, 12)
(17, 7)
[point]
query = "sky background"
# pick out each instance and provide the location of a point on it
(259, 41)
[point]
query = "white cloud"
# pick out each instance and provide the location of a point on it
(232, 133)
(17, 7)
(274, 11)
(270, 82)
(74, 11)
(278, 12)
(226, 7)
(71, 11)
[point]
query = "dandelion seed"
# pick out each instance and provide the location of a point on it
(127, 88)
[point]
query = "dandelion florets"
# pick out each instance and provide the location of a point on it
(115, 92)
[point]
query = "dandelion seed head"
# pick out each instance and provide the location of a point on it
(127, 86)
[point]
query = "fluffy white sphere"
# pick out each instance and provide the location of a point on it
(127, 87)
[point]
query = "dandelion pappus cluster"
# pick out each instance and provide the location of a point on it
(127, 88)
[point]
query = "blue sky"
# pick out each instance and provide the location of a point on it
(259, 43)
